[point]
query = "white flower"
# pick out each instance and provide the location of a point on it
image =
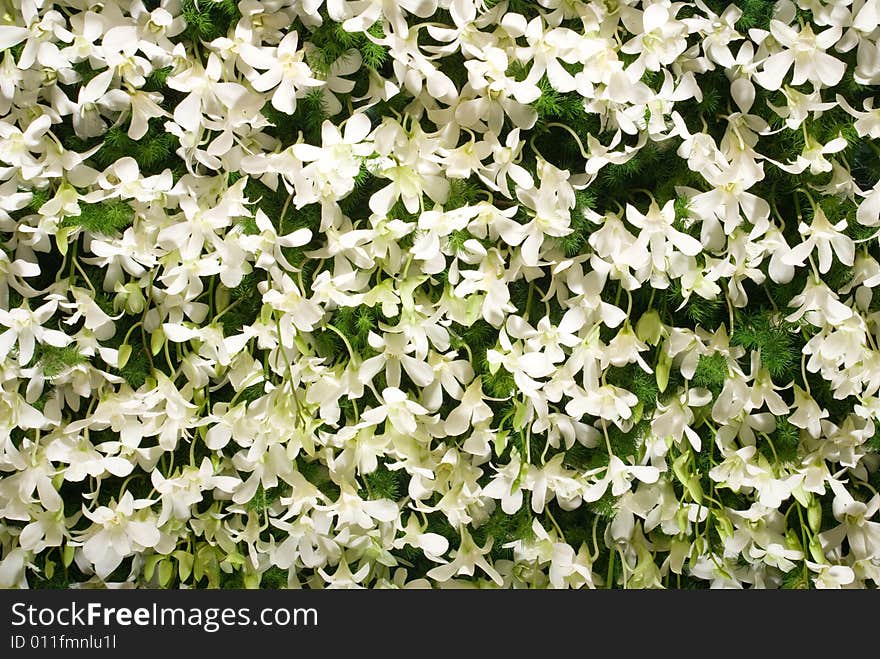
(675, 418)
(336, 163)
(867, 123)
(268, 245)
(869, 210)
(546, 47)
(813, 156)
(468, 557)
(799, 106)
(497, 95)
(777, 555)
(525, 366)
(471, 412)
(344, 578)
(118, 531)
(302, 312)
(862, 535)
(289, 75)
(659, 40)
(507, 484)
(818, 305)
(619, 476)
(505, 164)
(658, 236)
(397, 409)
(26, 328)
(607, 402)
(831, 576)
(828, 239)
(806, 51)
(393, 353)
(433, 544)
(808, 413)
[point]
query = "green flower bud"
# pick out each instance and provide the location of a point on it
(124, 354)
(222, 297)
(252, 580)
(814, 515)
(637, 412)
(681, 518)
(157, 340)
(723, 526)
(519, 415)
(650, 328)
(661, 370)
(500, 442)
(678, 553)
(61, 238)
(792, 541)
(129, 297)
(678, 468)
(694, 488)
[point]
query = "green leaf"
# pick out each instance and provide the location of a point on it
(106, 218)
(166, 571)
(55, 361)
(150, 565)
(184, 564)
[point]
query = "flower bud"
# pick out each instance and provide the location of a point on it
(129, 297)
(661, 370)
(252, 580)
(123, 355)
(157, 340)
(723, 526)
(792, 541)
(61, 238)
(681, 518)
(222, 297)
(814, 515)
(637, 412)
(500, 442)
(650, 328)
(816, 550)
(679, 468)
(694, 488)
(678, 553)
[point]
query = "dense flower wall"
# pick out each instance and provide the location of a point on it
(439, 293)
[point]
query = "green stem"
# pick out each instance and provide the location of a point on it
(84, 276)
(612, 556)
(555, 524)
(344, 338)
(806, 544)
(527, 313)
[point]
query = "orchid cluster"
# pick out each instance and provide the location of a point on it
(439, 294)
